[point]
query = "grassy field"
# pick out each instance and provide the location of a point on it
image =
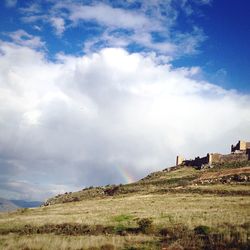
(62, 242)
(191, 209)
(166, 211)
(159, 212)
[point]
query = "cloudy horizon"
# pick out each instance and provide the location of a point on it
(100, 92)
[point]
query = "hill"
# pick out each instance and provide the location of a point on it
(26, 204)
(11, 205)
(181, 207)
(6, 205)
(178, 179)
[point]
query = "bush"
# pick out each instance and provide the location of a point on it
(111, 190)
(121, 230)
(145, 225)
(202, 230)
(164, 232)
(76, 199)
(62, 229)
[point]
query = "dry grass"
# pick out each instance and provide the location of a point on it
(189, 209)
(165, 210)
(59, 242)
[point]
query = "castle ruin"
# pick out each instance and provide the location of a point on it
(239, 152)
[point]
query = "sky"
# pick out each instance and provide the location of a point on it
(105, 92)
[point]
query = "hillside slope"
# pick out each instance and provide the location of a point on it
(176, 179)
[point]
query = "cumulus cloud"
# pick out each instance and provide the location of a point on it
(107, 117)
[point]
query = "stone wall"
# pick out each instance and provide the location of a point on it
(218, 158)
(210, 159)
(239, 152)
(240, 146)
(198, 162)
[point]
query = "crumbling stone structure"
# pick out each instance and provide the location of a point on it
(240, 147)
(239, 152)
(179, 160)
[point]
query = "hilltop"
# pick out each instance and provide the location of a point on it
(183, 207)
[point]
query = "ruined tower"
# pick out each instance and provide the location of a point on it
(179, 160)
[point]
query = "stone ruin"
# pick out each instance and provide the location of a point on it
(239, 152)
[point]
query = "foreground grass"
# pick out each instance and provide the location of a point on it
(61, 242)
(189, 209)
(180, 214)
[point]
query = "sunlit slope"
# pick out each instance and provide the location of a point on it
(230, 178)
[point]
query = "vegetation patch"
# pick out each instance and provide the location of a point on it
(64, 229)
(146, 225)
(123, 218)
(202, 230)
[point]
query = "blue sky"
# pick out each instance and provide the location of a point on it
(220, 43)
(100, 92)
(225, 54)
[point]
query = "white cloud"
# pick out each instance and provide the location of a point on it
(205, 2)
(106, 15)
(122, 41)
(10, 3)
(86, 120)
(36, 27)
(23, 38)
(152, 26)
(22, 189)
(31, 9)
(59, 24)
